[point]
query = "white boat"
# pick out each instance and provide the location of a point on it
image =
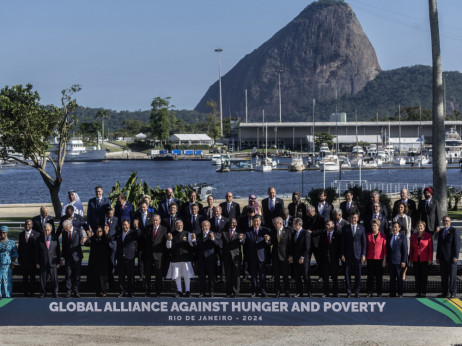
(220, 159)
(371, 150)
(77, 152)
(266, 164)
(421, 160)
(399, 160)
(296, 164)
(369, 162)
(324, 150)
(453, 145)
(215, 158)
(357, 150)
(329, 163)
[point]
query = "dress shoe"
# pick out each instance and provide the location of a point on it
(379, 295)
(324, 295)
(121, 295)
(443, 295)
(147, 294)
(228, 296)
(320, 280)
(418, 295)
(369, 295)
(68, 294)
(263, 293)
(103, 294)
(309, 294)
(212, 294)
(287, 294)
(55, 295)
(392, 295)
(277, 295)
(234, 295)
(400, 296)
(202, 295)
(453, 295)
(348, 295)
(76, 295)
(43, 295)
(335, 295)
(298, 295)
(253, 295)
(424, 295)
(356, 295)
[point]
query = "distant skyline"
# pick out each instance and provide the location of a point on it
(125, 53)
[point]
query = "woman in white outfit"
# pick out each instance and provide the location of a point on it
(405, 223)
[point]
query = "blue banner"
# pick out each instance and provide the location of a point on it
(171, 312)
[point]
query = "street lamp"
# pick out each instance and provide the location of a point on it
(280, 104)
(219, 50)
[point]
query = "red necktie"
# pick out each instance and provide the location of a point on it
(48, 244)
(70, 236)
(230, 234)
(27, 237)
(155, 232)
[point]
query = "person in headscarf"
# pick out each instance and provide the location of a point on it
(74, 200)
(8, 255)
(253, 204)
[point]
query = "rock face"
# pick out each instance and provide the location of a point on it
(323, 53)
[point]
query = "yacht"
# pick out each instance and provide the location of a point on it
(399, 160)
(296, 164)
(266, 164)
(358, 150)
(453, 145)
(324, 150)
(329, 163)
(220, 159)
(77, 152)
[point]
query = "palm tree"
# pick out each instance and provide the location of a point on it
(102, 113)
(439, 157)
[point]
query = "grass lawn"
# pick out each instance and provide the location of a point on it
(455, 215)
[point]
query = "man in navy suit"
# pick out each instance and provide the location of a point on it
(272, 207)
(124, 210)
(48, 260)
(323, 208)
(72, 240)
(192, 223)
(186, 207)
(329, 248)
(77, 220)
(397, 250)
(164, 205)
(230, 209)
(169, 221)
(301, 244)
(142, 222)
(111, 223)
(41, 220)
(281, 239)
(230, 243)
(257, 242)
(96, 208)
(126, 248)
(219, 222)
(429, 212)
(447, 254)
(349, 206)
(27, 258)
(353, 253)
(376, 215)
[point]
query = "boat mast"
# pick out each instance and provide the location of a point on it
(399, 128)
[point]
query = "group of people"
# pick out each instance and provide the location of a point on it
(181, 240)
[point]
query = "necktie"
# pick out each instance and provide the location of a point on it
(144, 219)
(230, 234)
(205, 236)
(99, 202)
(194, 221)
(445, 232)
(107, 222)
(279, 236)
(296, 235)
(349, 205)
(393, 240)
(48, 243)
(210, 213)
(217, 221)
(44, 221)
(328, 238)
(27, 237)
(271, 205)
(354, 230)
(70, 236)
(229, 207)
(256, 232)
(171, 222)
(155, 233)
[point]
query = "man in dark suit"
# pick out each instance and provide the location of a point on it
(111, 223)
(194, 220)
(48, 260)
(231, 241)
(186, 208)
(397, 251)
(339, 221)
(142, 222)
(96, 208)
(169, 221)
(447, 255)
(219, 222)
(230, 208)
(245, 222)
(126, 248)
(39, 221)
(349, 206)
(430, 212)
(72, 241)
(329, 247)
(353, 251)
(124, 210)
(411, 206)
(164, 205)
(281, 239)
(77, 220)
(153, 241)
(272, 207)
(301, 243)
(314, 224)
(297, 208)
(26, 257)
(207, 246)
(257, 242)
(287, 218)
(323, 208)
(376, 215)
(208, 212)
(369, 209)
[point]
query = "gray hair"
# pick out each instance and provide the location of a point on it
(278, 219)
(338, 211)
(48, 226)
(310, 207)
(67, 224)
(297, 221)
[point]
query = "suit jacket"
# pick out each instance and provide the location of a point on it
(269, 215)
(77, 222)
(243, 224)
(412, 210)
(368, 211)
(422, 250)
(114, 229)
(383, 224)
(255, 246)
(234, 211)
(96, 211)
(431, 215)
(297, 210)
(397, 253)
(206, 249)
(154, 247)
(163, 207)
(288, 222)
(148, 225)
(376, 248)
(193, 228)
(327, 211)
(316, 225)
(47, 257)
(340, 224)
(26, 251)
(125, 213)
(231, 247)
(185, 212)
(301, 245)
(448, 245)
(37, 224)
(346, 212)
(126, 248)
(353, 247)
(169, 222)
(221, 225)
(208, 213)
(72, 249)
(282, 248)
(330, 252)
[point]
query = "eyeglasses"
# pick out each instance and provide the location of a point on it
(446, 221)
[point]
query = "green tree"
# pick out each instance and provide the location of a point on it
(27, 126)
(324, 137)
(212, 121)
(88, 130)
(102, 114)
(160, 118)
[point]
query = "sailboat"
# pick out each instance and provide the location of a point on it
(399, 160)
(266, 164)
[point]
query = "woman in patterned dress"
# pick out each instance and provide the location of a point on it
(8, 255)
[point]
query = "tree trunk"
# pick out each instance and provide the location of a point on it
(53, 188)
(439, 155)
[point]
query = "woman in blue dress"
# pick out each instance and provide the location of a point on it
(8, 255)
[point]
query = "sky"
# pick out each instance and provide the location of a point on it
(125, 53)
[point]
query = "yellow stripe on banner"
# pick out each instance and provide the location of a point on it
(457, 303)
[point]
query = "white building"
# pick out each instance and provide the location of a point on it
(190, 139)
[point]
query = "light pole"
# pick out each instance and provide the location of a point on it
(280, 103)
(219, 50)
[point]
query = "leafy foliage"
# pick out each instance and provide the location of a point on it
(213, 122)
(324, 137)
(160, 118)
(313, 198)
